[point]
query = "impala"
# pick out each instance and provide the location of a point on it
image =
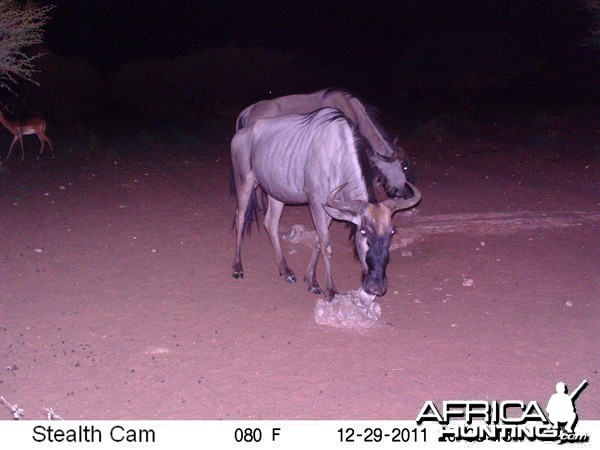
(20, 128)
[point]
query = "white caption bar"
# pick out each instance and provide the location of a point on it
(281, 435)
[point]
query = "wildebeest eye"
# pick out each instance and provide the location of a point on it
(393, 231)
(363, 231)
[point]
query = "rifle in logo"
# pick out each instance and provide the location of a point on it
(561, 406)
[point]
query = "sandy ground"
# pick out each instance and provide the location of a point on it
(117, 301)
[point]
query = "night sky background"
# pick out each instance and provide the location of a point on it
(396, 54)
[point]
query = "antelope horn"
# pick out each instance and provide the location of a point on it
(352, 205)
(396, 204)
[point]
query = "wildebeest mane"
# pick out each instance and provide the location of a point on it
(334, 90)
(372, 112)
(375, 116)
(332, 116)
(369, 170)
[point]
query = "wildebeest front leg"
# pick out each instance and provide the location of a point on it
(310, 277)
(272, 226)
(322, 221)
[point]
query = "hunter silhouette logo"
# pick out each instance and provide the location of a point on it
(508, 420)
(561, 406)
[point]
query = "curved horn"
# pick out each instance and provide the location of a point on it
(396, 204)
(352, 205)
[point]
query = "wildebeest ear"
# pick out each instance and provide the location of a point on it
(342, 214)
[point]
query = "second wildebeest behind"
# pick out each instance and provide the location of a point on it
(320, 159)
(393, 168)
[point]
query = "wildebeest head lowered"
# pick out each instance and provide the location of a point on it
(373, 231)
(320, 159)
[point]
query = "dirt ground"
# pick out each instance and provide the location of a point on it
(117, 301)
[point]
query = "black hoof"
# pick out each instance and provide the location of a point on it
(316, 290)
(288, 275)
(238, 275)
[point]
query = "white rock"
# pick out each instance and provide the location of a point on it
(356, 309)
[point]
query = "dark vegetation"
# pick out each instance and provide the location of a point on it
(485, 67)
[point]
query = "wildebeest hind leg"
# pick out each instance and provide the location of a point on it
(272, 217)
(244, 189)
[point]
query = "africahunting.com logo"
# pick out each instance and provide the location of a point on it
(510, 420)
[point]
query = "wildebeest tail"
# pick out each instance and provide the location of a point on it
(232, 189)
(251, 214)
(241, 121)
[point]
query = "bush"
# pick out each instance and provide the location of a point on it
(20, 28)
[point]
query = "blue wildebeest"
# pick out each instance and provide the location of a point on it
(386, 154)
(320, 159)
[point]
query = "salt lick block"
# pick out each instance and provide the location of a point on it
(356, 309)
